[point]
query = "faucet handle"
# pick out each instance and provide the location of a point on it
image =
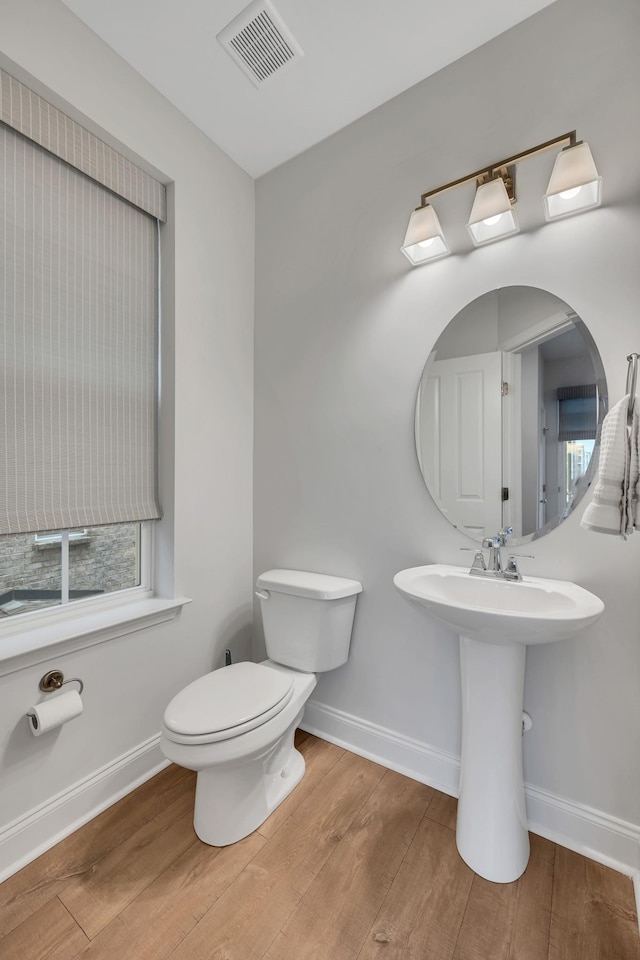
(478, 559)
(511, 571)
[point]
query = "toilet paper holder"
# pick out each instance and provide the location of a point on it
(54, 679)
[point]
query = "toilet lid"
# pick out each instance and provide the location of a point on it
(227, 702)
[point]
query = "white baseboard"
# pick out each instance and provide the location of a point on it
(390, 749)
(594, 834)
(44, 826)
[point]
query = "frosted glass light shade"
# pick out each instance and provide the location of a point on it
(424, 239)
(492, 215)
(574, 185)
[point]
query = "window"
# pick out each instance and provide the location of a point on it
(45, 571)
(78, 362)
(577, 457)
(577, 429)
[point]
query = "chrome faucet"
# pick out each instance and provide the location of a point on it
(494, 568)
(494, 545)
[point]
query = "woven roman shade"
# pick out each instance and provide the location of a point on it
(29, 114)
(577, 412)
(78, 339)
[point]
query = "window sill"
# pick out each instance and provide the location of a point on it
(25, 647)
(56, 544)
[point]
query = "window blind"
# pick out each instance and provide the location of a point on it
(78, 344)
(577, 412)
(23, 110)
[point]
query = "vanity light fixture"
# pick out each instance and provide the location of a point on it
(574, 186)
(492, 215)
(424, 239)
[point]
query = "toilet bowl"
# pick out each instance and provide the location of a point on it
(235, 726)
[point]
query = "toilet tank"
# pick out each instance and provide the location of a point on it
(307, 618)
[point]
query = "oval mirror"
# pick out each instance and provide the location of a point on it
(508, 414)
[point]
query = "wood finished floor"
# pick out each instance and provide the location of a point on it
(359, 863)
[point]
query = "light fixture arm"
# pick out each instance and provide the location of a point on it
(498, 169)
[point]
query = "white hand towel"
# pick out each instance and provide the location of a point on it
(632, 514)
(614, 508)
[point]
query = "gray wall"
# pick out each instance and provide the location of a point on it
(474, 330)
(344, 327)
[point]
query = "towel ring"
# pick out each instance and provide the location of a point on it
(632, 380)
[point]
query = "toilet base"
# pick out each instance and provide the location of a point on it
(232, 802)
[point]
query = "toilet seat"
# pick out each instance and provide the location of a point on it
(226, 703)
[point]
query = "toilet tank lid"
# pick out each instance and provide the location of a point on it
(299, 583)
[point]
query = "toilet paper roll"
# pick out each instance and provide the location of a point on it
(53, 713)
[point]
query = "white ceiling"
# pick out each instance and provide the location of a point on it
(357, 55)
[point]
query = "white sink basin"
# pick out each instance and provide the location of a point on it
(533, 610)
(496, 620)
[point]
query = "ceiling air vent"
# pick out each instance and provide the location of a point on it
(260, 42)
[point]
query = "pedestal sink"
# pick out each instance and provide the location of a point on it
(496, 620)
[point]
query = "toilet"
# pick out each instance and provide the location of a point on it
(235, 726)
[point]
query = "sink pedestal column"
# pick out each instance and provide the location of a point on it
(491, 831)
